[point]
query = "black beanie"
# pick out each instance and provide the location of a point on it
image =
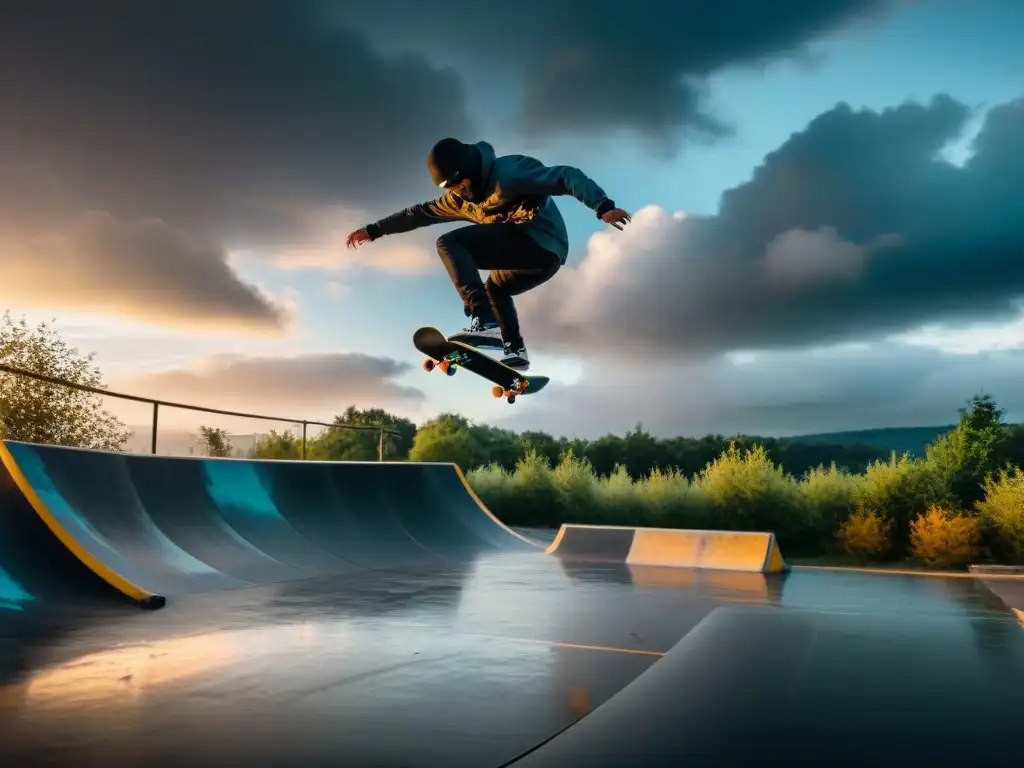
(447, 160)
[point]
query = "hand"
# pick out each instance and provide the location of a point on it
(357, 238)
(616, 217)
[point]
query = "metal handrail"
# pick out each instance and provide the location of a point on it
(202, 408)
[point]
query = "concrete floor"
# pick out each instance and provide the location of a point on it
(478, 664)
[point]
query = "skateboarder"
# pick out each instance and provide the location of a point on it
(519, 235)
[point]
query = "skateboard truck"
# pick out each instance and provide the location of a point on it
(519, 386)
(447, 366)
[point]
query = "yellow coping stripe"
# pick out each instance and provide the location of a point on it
(712, 550)
(553, 546)
(115, 580)
(483, 507)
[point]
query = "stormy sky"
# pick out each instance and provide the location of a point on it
(813, 184)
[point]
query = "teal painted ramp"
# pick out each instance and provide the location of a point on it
(79, 524)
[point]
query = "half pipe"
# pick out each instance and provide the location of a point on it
(76, 522)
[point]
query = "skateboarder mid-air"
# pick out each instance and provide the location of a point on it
(519, 234)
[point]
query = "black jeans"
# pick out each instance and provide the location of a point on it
(516, 262)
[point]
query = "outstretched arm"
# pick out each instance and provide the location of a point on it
(445, 208)
(531, 177)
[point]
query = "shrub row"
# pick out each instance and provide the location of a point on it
(897, 508)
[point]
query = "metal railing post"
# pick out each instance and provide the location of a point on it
(156, 418)
(198, 408)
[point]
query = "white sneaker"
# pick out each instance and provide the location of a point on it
(515, 358)
(477, 335)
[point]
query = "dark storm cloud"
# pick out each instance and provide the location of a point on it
(588, 67)
(144, 270)
(225, 121)
(852, 229)
(214, 114)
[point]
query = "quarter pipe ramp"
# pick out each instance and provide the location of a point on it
(76, 524)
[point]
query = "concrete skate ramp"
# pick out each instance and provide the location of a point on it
(76, 521)
(745, 551)
(750, 684)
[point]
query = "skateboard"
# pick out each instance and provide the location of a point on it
(448, 356)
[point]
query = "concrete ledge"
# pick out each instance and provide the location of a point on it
(999, 570)
(744, 551)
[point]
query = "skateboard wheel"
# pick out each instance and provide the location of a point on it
(497, 391)
(444, 366)
(428, 365)
(511, 399)
(450, 370)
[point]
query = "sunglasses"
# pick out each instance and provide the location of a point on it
(449, 183)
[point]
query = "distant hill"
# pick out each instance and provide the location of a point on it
(900, 439)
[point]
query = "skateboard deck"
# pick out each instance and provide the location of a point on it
(448, 356)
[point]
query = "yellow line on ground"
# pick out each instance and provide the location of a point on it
(906, 572)
(585, 647)
(610, 649)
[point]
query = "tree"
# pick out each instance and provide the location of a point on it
(445, 438)
(605, 453)
(496, 446)
(971, 452)
(276, 445)
(361, 444)
(40, 412)
(544, 445)
(215, 441)
(1012, 450)
(642, 453)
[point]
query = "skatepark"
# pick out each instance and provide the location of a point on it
(227, 611)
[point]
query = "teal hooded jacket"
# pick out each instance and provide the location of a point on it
(515, 189)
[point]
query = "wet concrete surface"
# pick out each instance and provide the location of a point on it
(1010, 590)
(477, 664)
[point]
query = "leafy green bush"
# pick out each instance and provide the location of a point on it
(866, 535)
(538, 499)
(1002, 516)
(746, 491)
(941, 538)
(898, 491)
(829, 497)
(493, 485)
(672, 501)
(621, 501)
(897, 507)
(578, 493)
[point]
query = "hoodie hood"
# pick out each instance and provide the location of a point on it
(476, 183)
(486, 159)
